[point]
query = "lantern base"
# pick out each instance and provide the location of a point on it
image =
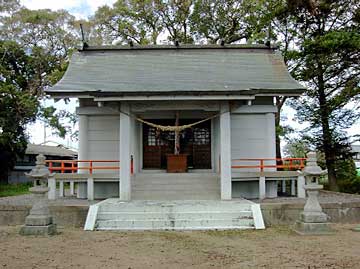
(38, 230)
(304, 228)
(313, 217)
(38, 225)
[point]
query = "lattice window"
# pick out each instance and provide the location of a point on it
(201, 136)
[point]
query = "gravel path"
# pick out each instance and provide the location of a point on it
(271, 248)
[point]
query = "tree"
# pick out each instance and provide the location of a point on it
(128, 20)
(186, 21)
(327, 52)
(18, 106)
(228, 20)
(175, 17)
(296, 148)
(34, 53)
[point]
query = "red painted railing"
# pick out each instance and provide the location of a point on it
(287, 164)
(72, 166)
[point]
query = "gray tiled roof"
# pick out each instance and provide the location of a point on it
(50, 150)
(167, 69)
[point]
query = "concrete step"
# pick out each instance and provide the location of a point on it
(174, 195)
(169, 197)
(178, 182)
(113, 214)
(129, 215)
(175, 181)
(179, 187)
(174, 206)
(175, 224)
(174, 175)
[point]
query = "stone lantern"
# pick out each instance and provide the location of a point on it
(39, 221)
(312, 220)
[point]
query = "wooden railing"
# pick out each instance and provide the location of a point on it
(287, 164)
(72, 166)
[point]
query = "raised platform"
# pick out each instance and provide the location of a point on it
(114, 214)
(71, 212)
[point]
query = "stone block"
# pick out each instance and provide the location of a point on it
(33, 220)
(313, 217)
(304, 228)
(38, 230)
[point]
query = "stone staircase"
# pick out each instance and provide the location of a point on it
(114, 214)
(175, 186)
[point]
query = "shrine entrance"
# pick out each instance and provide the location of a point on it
(194, 141)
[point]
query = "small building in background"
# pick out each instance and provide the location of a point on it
(24, 165)
(356, 150)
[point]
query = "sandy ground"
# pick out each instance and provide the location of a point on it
(271, 248)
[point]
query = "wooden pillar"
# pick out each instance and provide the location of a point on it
(125, 175)
(225, 152)
(83, 141)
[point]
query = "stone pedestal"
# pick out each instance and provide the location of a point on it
(313, 221)
(39, 221)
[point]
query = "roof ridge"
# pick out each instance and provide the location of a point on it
(179, 47)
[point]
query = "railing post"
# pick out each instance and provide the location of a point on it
(261, 165)
(300, 187)
(91, 167)
(283, 186)
(90, 189)
(61, 188)
(293, 188)
(62, 167)
(262, 188)
(132, 164)
(52, 188)
(72, 167)
(50, 167)
(72, 192)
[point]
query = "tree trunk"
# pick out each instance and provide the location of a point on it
(277, 136)
(4, 176)
(5, 161)
(279, 104)
(326, 133)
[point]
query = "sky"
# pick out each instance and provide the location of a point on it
(83, 9)
(78, 8)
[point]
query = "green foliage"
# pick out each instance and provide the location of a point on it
(34, 50)
(133, 20)
(187, 21)
(18, 104)
(347, 178)
(325, 56)
(14, 189)
(296, 148)
(231, 21)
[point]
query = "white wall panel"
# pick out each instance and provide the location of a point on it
(250, 137)
(103, 136)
